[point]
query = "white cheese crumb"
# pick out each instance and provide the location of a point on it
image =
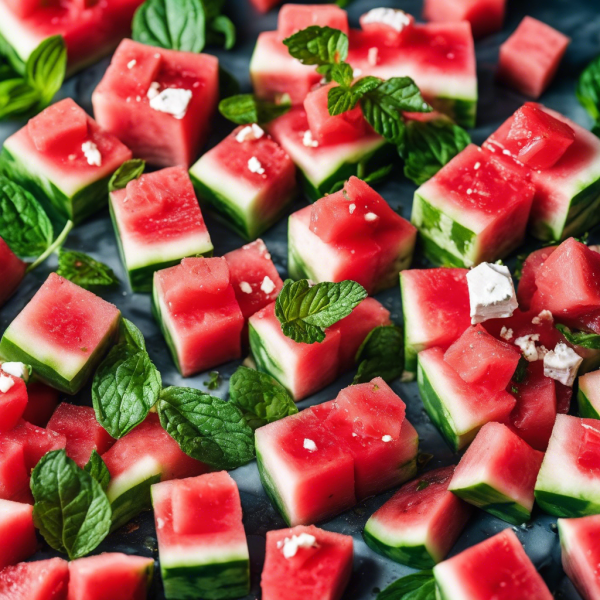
(562, 364)
(131, 64)
(545, 315)
(308, 140)
(371, 217)
(396, 19)
(373, 56)
(352, 208)
(506, 334)
(267, 285)
(92, 154)
(309, 445)
(527, 345)
(245, 287)
(386, 438)
(5, 383)
(153, 90)
(250, 132)
(290, 546)
(506, 152)
(476, 166)
(254, 166)
(172, 101)
(491, 292)
(160, 523)
(16, 369)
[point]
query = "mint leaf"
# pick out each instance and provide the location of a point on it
(97, 468)
(46, 67)
(84, 270)
(318, 45)
(422, 485)
(429, 146)
(418, 586)
(521, 371)
(128, 171)
(365, 85)
(222, 31)
(261, 399)
(381, 355)
(214, 381)
(71, 509)
(580, 338)
(24, 225)
(244, 109)
(340, 100)
(305, 312)
(378, 174)
(342, 73)
(588, 89)
(131, 335)
(17, 98)
(206, 428)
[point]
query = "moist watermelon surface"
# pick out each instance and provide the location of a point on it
(587, 395)
(485, 16)
(13, 400)
(17, 532)
(12, 271)
(39, 580)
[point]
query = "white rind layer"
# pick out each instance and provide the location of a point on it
(23, 40)
(142, 470)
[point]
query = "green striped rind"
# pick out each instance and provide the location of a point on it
(132, 502)
(270, 488)
(11, 54)
(462, 111)
(297, 268)
(410, 352)
(586, 409)
(165, 331)
(494, 502)
(88, 200)
(562, 505)
(265, 361)
(416, 556)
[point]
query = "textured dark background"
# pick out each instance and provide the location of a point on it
(580, 19)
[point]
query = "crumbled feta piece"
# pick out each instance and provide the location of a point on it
(153, 90)
(308, 140)
(396, 19)
(290, 546)
(506, 334)
(309, 445)
(476, 166)
(491, 292)
(373, 56)
(562, 364)
(131, 64)
(527, 345)
(545, 315)
(250, 132)
(245, 287)
(16, 369)
(386, 438)
(172, 101)
(91, 153)
(351, 208)
(267, 285)
(370, 216)
(5, 383)
(254, 166)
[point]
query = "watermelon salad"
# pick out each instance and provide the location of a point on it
(249, 363)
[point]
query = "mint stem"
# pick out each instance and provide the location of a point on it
(58, 242)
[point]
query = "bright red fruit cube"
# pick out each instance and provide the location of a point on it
(37, 580)
(12, 271)
(485, 16)
(294, 17)
(42, 402)
(35, 441)
(17, 532)
(531, 266)
(14, 475)
(13, 400)
(387, 26)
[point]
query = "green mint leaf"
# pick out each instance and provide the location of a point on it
(228, 84)
(305, 311)
(17, 98)
(422, 485)
(365, 85)
(97, 468)
(171, 24)
(418, 586)
(381, 355)
(221, 30)
(46, 67)
(342, 73)
(206, 428)
(588, 89)
(129, 334)
(128, 171)
(521, 370)
(214, 381)
(244, 109)
(318, 45)
(24, 225)
(84, 270)
(71, 509)
(429, 146)
(6, 69)
(580, 338)
(261, 399)
(379, 174)
(340, 100)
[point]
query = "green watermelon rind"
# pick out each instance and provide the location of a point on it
(271, 489)
(14, 58)
(463, 111)
(416, 556)
(164, 329)
(586, 408)
(264, 360)
(131, 502)
(562, 505)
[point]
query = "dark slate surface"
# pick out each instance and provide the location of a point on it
(580, 19)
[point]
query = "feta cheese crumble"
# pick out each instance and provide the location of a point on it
(290, 546)
(491, 292)
(396, 19)
(245, 287)
(309, 445)
(153, 90)
(250, 132)
(254, 166)
(386, 438)
(267, 285)
(92, 154)
(172, 101)
(527, 345)
(308, 140)
(373, 56)
(16, 369)
(371, 217)
(506, 334)
(562, 364)
(131, 64)
(545, 315)
(5, 383)
(352, 208)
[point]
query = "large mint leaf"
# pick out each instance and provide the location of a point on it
(381, 355)
(318, 45)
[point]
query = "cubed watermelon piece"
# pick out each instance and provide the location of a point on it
(17, 532)
(352, 234)
(588, 395)
(531, 266)
(35, 441)
(529, 58)
(110, 576)
(483, 360)
(201, 540)
(568, 484)
(158, 205)
(195, 306)
(63, 333)
(165, 128)
(295, 17)
(475, 209)
(496, 568)
(82, 431)
(248, 179)
(321, 167)
(38, 580)
(435, 304)
(13, 400)
(42, 401)
(306, 563)
(12, 271)
(264, 6)
(23, 8)
(420, 523)
(457, 408)
(144, 456)
(485, 16)
(580, 553)
(70, 174)
(497, 473)
(387, 26)
(14, 474)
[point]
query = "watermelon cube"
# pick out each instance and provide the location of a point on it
(12, 271)
(588, 395)
(201, 540)
(474, 210)
(388, 26)
(483, 360)
(42, 401)
(495, 568)
(195, 305)
(580, 553)
(38, 580)
(323, 166)
(62, 333)
(110, 576)
(158, 102)
(158, 204)
(568, 484)
(13, 400)
(66, 167)
(531, 266)
(352, 234)
(295, 17)
(144, 456)
(485, 16)
(82, 431)
(306, 563)
(263, 6)
(497, 473)
(457, 408)
(17, 532)
(248, 179)
(420, 523)
(14, 474)
(435, 304)
(35, 441)
(529, 58)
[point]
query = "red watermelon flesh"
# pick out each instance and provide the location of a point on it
(35, 441)
(319, 572)
(14, 474)
(264, 6)
(41, 403)
(38, 580)
(24, 8)
(12, 271)
(82, 431)
(531, 266)
(110, 576)
(589, 448)
(386, 26)
(294, 17)
(13, 400)
(17, 532)
(485, 16)
(483, 360)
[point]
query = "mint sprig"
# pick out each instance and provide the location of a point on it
(583, 339)
(305, 311)
(85, 271)
(588, 90)
(417, 586)
(128, 171)
(244, 109)
(381, 355)
(97, 468)
(322, 46)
